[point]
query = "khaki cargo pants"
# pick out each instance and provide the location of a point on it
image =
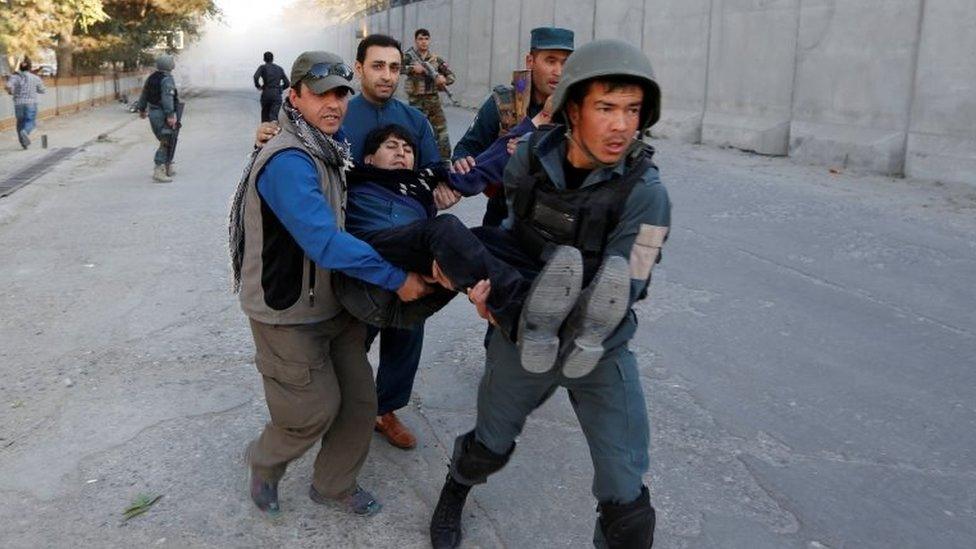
(318, 386)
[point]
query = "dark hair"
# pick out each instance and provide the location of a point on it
(25, 65)
(376, 138)
(380, 40)
(578, 91)
(421, 32)
(268, 57)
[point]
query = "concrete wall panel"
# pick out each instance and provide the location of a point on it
(854, 83)
(458, 59)
(942, 135)
(410, 14)
(622, 19)
(505, 55)
(435, 16)
(348, 41)
(535, 13)
(479, 52)
(676, 40)
(396, 22)
(374, 23)
(577, 16)
(750, 74)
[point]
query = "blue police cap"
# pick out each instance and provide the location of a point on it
(552, 38)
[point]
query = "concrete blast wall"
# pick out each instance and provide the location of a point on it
(887, 86)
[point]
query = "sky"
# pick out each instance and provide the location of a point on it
(241, 15)
(229, 51)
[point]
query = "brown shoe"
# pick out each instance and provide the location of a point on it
(395, 432)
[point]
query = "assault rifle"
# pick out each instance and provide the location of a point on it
(430, 69)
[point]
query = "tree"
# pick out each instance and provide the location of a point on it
(27, 26)
(135, 27)
(90, 33)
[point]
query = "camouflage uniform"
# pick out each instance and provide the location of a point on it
(422, 94)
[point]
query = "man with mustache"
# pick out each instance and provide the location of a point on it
(286, 238)
(549, 49)
(587, 182)
(378, 66)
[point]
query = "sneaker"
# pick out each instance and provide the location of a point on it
(170, 170)
(395, 432)
(550, 299)
(601, 308)
(359, 502)
(23, 138)
(445, 524)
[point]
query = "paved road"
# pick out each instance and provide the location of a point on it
(807, 354)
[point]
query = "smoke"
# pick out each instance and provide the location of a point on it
(230, 49)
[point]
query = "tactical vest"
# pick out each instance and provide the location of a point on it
(154, 88)
(420, 84)
(546, 216)
(504, 97)
(279, 283)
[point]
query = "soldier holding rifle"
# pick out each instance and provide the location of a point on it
(427, 73)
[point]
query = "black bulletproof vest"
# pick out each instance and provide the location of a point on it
(583, 218)
(154, 88)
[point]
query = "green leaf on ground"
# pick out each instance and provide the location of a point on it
(140, 505)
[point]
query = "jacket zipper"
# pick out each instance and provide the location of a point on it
(311, 283)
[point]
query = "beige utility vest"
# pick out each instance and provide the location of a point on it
(279, 283)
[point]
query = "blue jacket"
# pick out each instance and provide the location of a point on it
(489, 164)
(372, 207)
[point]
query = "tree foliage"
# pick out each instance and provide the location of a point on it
(135, 27)
(28, 26)
(87, 34)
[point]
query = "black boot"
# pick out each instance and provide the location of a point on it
(629, 525)
(445, 525)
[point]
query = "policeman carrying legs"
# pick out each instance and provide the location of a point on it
(160, 96)
(587, 182)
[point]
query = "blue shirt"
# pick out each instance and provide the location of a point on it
(363, 117)
(289, 185)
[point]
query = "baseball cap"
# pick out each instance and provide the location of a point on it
(321, 71)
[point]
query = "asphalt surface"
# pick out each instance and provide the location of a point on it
(807, 354)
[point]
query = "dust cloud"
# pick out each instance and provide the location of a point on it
(230, 49)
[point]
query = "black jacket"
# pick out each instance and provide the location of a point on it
(271, 80)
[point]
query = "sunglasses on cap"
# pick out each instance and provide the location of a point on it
(322, 70)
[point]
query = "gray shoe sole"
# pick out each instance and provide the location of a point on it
(604, 307)
(551, 298)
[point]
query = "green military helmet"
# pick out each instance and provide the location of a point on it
(165, 63)
(610, 58)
